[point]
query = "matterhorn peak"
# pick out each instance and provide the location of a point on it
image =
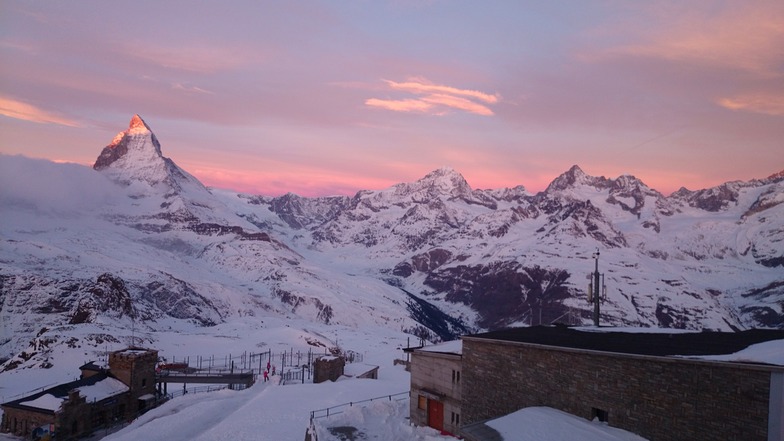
(135, 144)
(134, 155)
(138, 124)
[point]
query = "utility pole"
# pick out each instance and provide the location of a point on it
(594, 289)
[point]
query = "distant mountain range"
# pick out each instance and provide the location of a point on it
(137, 241)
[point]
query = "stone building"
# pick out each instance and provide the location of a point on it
(135, 367)
(659, 386)
(328, 368)
(436, 386)
(99, 398)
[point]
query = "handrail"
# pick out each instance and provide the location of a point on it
(205, 374)
(327, 410)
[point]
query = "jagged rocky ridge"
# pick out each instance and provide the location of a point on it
(433, 256)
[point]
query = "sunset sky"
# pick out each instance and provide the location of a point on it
(329, 97)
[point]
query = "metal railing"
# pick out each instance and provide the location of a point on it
(195, 390)
(340, 408)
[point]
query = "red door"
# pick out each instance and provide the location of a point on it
(435, 414)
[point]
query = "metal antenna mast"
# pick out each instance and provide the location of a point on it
(594, 289)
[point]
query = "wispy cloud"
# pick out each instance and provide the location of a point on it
(18, 46)
(407, 105)
(190, 89)
(456, 102)
(198, 59)
(422, 87)
(744, 36)
(434, 99)
(766, 104)
(27, 112)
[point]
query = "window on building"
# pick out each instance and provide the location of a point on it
(422, 403)
(455, 376)
(600, 414)
(455, 419)
(144, 382)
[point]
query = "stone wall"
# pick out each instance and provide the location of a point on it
(80, 418)
(328, 368)
(438, 376)
(658, 398)
(21, 422)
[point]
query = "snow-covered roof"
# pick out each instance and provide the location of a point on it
(769, 352)
(355, 369)
(723, 346)
(103, 389)
(133, 351)
(45, 402)
(97, 387)
(449, 347)
(546, 423)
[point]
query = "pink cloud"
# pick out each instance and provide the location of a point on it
(424, 88)
(27, 112)
(407, 105)
(435, 99)
(745, 35)
(456, 102)
(766, 104)
(278, 178)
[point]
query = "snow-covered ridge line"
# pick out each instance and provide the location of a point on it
(148, 244)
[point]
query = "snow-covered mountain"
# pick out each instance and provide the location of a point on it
(139, 242)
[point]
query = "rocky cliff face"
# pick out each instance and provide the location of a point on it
(432, 256)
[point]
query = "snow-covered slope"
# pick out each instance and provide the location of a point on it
(139, 242)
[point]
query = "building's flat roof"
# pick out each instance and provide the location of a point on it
(637, 343)
(357, 369)
(450, 347)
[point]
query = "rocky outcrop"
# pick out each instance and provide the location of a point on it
(504, 293)
(109, 297)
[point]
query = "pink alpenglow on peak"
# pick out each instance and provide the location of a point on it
(138, 124)
(137, 140)
(134, 157)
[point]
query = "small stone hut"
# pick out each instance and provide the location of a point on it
(328, 368)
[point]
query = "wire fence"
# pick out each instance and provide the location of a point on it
(258, 362)
(294, 376)
(293, 366)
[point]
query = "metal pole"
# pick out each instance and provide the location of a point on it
(540, 311)
(596, 290)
